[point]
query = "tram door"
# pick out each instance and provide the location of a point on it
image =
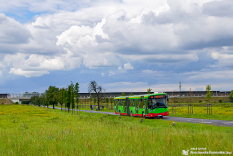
(136, 103)
(116, 105)
(124, 106)
(127, 106)
(146, 107)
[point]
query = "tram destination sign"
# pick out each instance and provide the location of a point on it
(157, 97)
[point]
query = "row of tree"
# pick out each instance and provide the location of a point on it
(64, 96)
(231, 96)
(209, 92)
(68, 96)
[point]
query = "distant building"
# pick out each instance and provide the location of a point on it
(169, 93)
(111, 94)
(196, 93)
(4, 96)
(31, 94)
(115, 94)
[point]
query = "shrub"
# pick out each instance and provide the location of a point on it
(231, 96)
(200, 101)
(220, 101)
(16, 103)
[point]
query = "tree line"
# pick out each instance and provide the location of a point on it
(68, 97)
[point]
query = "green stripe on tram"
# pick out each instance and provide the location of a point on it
(151, 105)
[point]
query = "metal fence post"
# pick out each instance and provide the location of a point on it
(209, 109)
(190, 108)
(127, 104)
(173, 109)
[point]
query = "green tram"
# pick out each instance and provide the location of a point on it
(150, 105)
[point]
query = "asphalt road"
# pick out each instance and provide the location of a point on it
(201, 121)
(178, 119)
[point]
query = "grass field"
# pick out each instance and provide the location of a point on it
(31, 130)
(220, 111)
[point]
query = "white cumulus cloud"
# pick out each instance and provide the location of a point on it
(106, 34)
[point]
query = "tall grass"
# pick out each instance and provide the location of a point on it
(29, 130)
(218, 113)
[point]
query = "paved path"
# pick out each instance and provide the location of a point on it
(178, 119)
(204, 121)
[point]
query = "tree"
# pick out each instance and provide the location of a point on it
(95, 101)
(41, 101)
(76, 93)
(32, 99)
(35, 100)
(208, 93)
(62, 97)
(231, 96)
(111, 101)
(52, 95)
(123, 94)
(93, 87)
(107, 100)
(45, 103)
(131, 94)
(90, 99)
(68, 97)
(72, 96)
(149, 91)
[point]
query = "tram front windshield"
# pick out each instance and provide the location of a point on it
(158, 103)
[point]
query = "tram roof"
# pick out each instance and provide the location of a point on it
(139, 96)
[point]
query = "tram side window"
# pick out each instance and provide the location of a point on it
(149, 104)
(145, 103)
(141, 103)
(116, 102)
(123, 102)
(120, 102)
(131, 102)
(136, 103)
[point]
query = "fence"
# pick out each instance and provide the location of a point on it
(173, 108)
(102, 106)
(199, 108)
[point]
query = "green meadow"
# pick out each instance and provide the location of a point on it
(31, 130)
(218, 112)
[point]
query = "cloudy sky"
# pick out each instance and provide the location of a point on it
(124, 45)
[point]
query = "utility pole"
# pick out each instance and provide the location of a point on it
(180, 87)
(190, 94)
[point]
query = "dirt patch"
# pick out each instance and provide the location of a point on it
(6, 102)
